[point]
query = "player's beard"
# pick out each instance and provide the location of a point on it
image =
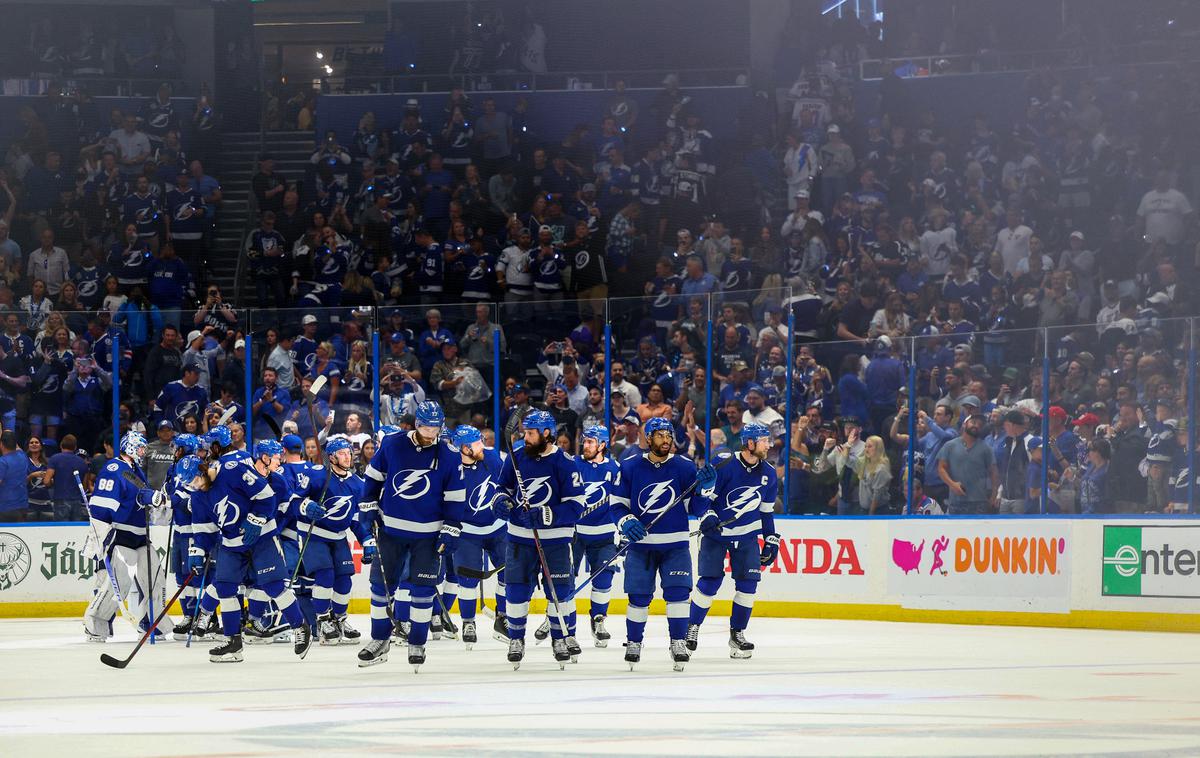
(661, 449)
(540, 447)
(475, 457)
(593, 456)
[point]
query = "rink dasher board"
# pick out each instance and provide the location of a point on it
(1137, 573)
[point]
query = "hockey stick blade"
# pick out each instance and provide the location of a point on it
(228, 414)
(471, 573)
(273, 425)
(118, 663)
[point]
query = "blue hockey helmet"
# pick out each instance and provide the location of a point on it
(189, 443)
(386, 431)
(133, 444)
(267, 447)
(657, 424)
(292, 443)
(541, 421)
(466, 435)
(336, 445)
(596, 432)
(429, 413)
(187, 468)
(219, 434)
(755, 431)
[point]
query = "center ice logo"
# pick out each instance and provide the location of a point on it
(15, 560)
(411, 483)
(656, 498)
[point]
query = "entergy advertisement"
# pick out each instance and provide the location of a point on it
(1151, 561)
(982, 564)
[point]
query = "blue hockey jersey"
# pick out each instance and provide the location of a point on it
(237, 492)
(295, 477)
(142, 211)
(647, 489)
(342, 496)
(550, 479)
(600, 480)
(418, 488)
(177, 401)
(479, 483)
(744, 496)
(114, 501)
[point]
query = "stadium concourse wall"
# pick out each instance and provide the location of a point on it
(1134, 573)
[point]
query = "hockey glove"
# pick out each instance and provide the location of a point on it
(502, 504)
(147, 498)
(196, 559)
(368, 512)
(706, 477)
(710, 525)
(634, 530)
(448, 539)
(770, 550)
(312, 510)
(252, 529)
(542, 513)
(370, 550)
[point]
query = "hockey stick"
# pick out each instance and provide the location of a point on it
(649, 526)
(391, 593)
(102, 551)
(309, 396)
(108, 660)
(196, 610)
(537, 544)
(720, 525)
(471, 573)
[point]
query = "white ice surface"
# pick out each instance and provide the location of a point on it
(814, 687)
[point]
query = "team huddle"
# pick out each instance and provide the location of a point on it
(267, 536)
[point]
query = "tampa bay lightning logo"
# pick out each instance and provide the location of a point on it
(478, 271)
(310, 360)
(593, 494)
(331, 265)
(537, 491)
(743, 500)
(582, 258)
(89, 288)
(227, 512)
(656, 498)
(356, 384)
(662, 300)
(732, 280)
(145, 215)
(338, 507)
(187, 408)
(160, 120)
(411, 483)
(481, 496)
(133, 256)
(549, 268)
(182, 213)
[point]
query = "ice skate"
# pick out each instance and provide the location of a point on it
(449, 630)
(679, 654)
(561, 654)
(435, 627)
(738, 646)
(573, 648)
(230, 652)
(599, 633)
(350, 635)
(400, 631)
(96, 638)
(180, 632)
(303, 640)
(693, 637)
(633, 654)
(500, 628)
(516, 652)
(542, 632)
(373, 653)
(328, 630)
(469, 637)
(416, 657)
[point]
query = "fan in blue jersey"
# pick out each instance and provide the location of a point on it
(241, 506)
(185, 445)
(596, 531)
(741, 507)
(328, 500)
(546, 493)
(120, 512)
(182, 398)
(412, 490)
(483, 530)
(647, 504)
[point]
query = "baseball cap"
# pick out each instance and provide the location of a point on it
(1087, 419)
(1076, 235)
(739, 365)
(1057, 412)
(449, 342)
(757, 390)
(292, 442)
(398, 337)
(308, 319)
(545, 228)
(1033, 443)
(970, 400)
(164, 424)
(833, 129)
(1159, 298)
(516, 388)
(239, 344)
(588, 187)
(194, 335)
(632, 418)
(802, 194)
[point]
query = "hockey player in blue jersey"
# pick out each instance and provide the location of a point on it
(649, 512)
(120, 512)
(181, 524)
(327, 500)
(546, 494)
(241, 505)
(596, 531)
(741, 506)
(413, 487)
(483, 530)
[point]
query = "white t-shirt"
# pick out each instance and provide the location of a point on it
(937, 247)
(1013, 245)
(1163, 213)
(1023, 264)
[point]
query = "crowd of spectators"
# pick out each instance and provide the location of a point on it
(874, 243)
